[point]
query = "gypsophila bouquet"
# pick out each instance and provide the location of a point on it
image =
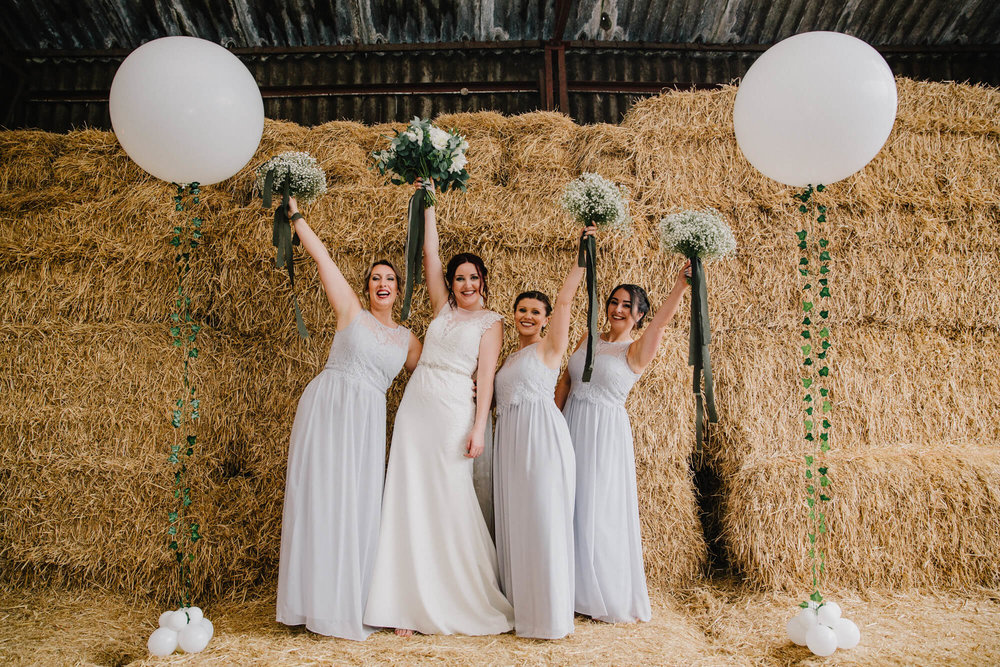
(306, 179)
(702, 234)
(426, 152)
(594, 200)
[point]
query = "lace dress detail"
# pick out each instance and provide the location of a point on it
(524, 377)
(612, 379)
(452, 341)
(333, 484)
(369, 352)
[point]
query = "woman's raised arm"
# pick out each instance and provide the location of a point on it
(557, 339)
(344, 300)
(437, 289)
(643, 349)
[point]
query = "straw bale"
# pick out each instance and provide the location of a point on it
(901, 517)
(922, 388)
(26, 158)
(486, 132)
(539, 151)
(608, 150)
(343, 149)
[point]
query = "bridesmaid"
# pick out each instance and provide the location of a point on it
(336, 458)
(534, 476)
(610, 579)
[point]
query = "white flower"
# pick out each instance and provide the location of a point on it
(458, 163)
(697, 233)
(412, 135)
(593, 199)
(439, 138)
(306, 179)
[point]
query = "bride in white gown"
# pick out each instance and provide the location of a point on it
(436, 566)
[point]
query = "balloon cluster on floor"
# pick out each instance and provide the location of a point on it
(823, 629)
(186, 629)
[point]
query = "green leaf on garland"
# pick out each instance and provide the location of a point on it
(807, 382)
(808, 286)
(810, 489)
(824, 269)
(824, 372)
(807, 306)
(827, 406)
(826, 345)
(824, 391)
(802, 262)
(824, 292)
(824, 281)
(824, 256)
(824, 498)
(821, 355)
(802, 209)
(804, 605)
(823, 470)
(826, 423)
(806, 334)
(809, 436)
(193, 352)
(821, 218)
(174, 546)
(810, 501)
(824, 436)
(809, 411)
(804, 272)
(821, 209)
(809, 474)
(808, 398)
(824, 332)
(824, 447)
(820, 188)
(809, 460)
(824, 314)
(802, 245)
(808, 424)
(823, 243)
(806, 349)
(807, 362)
(812, 538)
(801, 235)
(807, 321)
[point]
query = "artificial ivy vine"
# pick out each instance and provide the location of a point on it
(815, 380)
(183, 532)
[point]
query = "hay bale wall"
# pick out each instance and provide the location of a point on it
(91, 374)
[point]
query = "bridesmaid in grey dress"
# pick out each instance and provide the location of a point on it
(609, 573)
(534, 470)
(336, 457)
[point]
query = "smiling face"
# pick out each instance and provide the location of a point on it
(466, 286)
(620, 315)
(382, 286)
(530, 317)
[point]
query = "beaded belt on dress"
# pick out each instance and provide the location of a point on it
(442, 367)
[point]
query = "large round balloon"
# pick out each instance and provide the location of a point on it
(186, 110)
(815, 108)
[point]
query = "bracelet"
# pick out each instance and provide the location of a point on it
(297, 216)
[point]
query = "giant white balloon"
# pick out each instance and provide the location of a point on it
(186, 110)
(815, 108)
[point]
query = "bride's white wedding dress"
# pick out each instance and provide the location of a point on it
(436, 566)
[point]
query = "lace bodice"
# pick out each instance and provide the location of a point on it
(369, 352)
(612, 378)
(452, 341)
(524, 377)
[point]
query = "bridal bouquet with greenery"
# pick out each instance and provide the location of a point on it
(422, 151)
(594, 200)
(426, 152)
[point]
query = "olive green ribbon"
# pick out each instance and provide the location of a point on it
(414, 247)
(698, 356)
(587, 258)
(283, 239)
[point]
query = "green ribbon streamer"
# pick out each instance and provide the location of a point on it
(283, 239)
(414, 246)
(587, 258)
(698, 355)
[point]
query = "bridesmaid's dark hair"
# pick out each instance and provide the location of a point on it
(639, 299)
(538, 296)
(457, 261)
(379, 262)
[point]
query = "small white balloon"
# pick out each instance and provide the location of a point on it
(178, 619)
(164, 617)
(194, 638)
(847, 633)
(807, 617)
(828, 613)
(796, 631)
(162, 642)
(208, 627)
(195, 614)
(820, 639)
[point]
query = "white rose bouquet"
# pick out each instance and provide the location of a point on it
(435, 156)
(594, 200)
(426, 152)
(293, 174)
(699, 235)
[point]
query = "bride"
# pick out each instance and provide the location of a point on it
(436, 566)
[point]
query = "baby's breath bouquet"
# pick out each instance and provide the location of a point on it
(594, 200)
(699, 235)
(431, 154)
(293, 174)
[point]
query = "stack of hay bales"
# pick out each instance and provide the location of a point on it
(91, 374)
(914, 319)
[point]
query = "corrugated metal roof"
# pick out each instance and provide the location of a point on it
(29, 25)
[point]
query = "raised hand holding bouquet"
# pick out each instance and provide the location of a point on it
(699, 235)
(594, 200)
(436, 157)
(296, 175)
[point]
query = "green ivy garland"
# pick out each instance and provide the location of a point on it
(815, 378)
(182, 532)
